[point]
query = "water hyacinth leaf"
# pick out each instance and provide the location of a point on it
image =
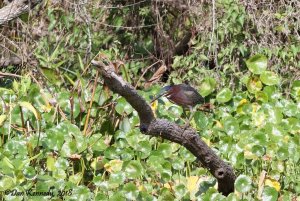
(261, 96)
(111, 153)
(258, 150)
(283, 153)
(269, 194)
(145, 148)
(130, 191)
(178, 163)
(295, 92)
(243, 184)
(123, 106)
(133, 169)
(207, 86)
(231, 126)
(117, 178)
(254, 85)
(187, 155)
(269, 78)
(257, 63)
(97, 142)
(114, 165)
(224, 95)
(165, 149)
(6, 182)
(125, 125)
(29, 172)
(201, 120)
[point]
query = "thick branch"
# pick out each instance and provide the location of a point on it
(15, 9)
(169, 130)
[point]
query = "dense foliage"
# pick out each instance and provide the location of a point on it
(62, 129)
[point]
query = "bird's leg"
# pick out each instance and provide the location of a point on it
(192, 112)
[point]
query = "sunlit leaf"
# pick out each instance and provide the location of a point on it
(29, 107)
(243, 184)
(269, 194)
(254, 85)
(133, 169)
(257, 64)
(269, 78)
(207, 86)
(113, 166)
(224, 95)
(273, 183)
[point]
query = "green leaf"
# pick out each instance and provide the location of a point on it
(224, 95)
(201, 120)
(296, 90)
(207, 86)
(165, 149)
(243, 184)
(2, 119)
(269, 78)
(130, 191)
(29, 107)
(123, 106)
(257, 64)
(231, 126)
(6, 182)
(133, 169)
(254, 85)
(269, 194)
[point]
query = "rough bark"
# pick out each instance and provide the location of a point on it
(15, 9)
(149, 125)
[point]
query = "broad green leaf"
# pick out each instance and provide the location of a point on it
(243, 184)
(6, 182)
(133, 169)
(207, 86)
(113, 165)
(116, 178)
(165, 149)
(52, 76)
(269, 194)
(224, 95)
(254, 85)
(257, 63)
(130, 191)
(201, 120)
(269, 78)
(296, 90)
(231, 126)
(123, 106)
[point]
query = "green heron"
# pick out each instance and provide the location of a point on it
(183, 95)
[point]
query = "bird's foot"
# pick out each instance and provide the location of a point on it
(186, 125)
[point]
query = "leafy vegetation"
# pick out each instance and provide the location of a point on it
(62, 129)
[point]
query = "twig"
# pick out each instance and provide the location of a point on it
(90, 106)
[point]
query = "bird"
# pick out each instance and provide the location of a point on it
(183, 95)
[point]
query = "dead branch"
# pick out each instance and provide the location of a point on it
(149, 125)
(15, 9)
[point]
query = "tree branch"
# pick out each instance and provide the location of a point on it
(149, 125)
(15, 9)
